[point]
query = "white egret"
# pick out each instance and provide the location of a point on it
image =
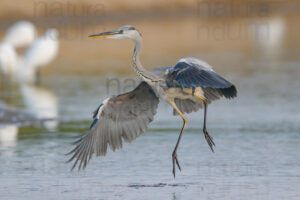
(20, 34)
(39, 54)
(8, 60)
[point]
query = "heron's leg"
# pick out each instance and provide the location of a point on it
(208, 138)
(174, 154)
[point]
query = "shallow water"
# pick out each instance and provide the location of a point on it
(256, 135)
(256, 156)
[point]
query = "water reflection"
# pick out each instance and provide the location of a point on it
(41, 103)
(8, 135)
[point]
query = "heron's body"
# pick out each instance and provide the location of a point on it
(188, 86)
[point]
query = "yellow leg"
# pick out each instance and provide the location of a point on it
(174, 154)
(201, 98)
(208, 138)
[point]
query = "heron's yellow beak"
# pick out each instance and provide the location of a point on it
(104, 34)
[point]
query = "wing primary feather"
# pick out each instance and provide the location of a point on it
(124, 116)
(86, 153)
(77, 155)
(80, 156)
(230, 92)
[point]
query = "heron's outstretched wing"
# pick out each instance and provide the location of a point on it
(124, 116)
(193, 73)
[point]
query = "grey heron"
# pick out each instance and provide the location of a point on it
(188, 86)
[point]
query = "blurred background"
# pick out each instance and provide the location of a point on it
(52, 76)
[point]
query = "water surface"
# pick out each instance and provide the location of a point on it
(256, 135)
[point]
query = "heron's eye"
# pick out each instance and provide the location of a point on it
(121, 31)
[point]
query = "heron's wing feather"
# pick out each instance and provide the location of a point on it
(187, 106)
(124, 116)
(193, 73)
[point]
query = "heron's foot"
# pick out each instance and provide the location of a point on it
(175, 162)
(209, 139)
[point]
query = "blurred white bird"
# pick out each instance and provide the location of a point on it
(8, 60)
(41, 103)
(20, 34)
(8, 135)
(40, 53)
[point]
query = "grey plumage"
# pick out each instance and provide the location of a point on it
(187, 106)
(191, 74)
(124, 116)
(188, 86)
(194, 73)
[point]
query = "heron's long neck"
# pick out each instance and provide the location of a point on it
(140, 70)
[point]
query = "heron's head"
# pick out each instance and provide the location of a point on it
(123, 32)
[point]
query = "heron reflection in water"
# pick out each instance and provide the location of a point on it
(188, 86)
